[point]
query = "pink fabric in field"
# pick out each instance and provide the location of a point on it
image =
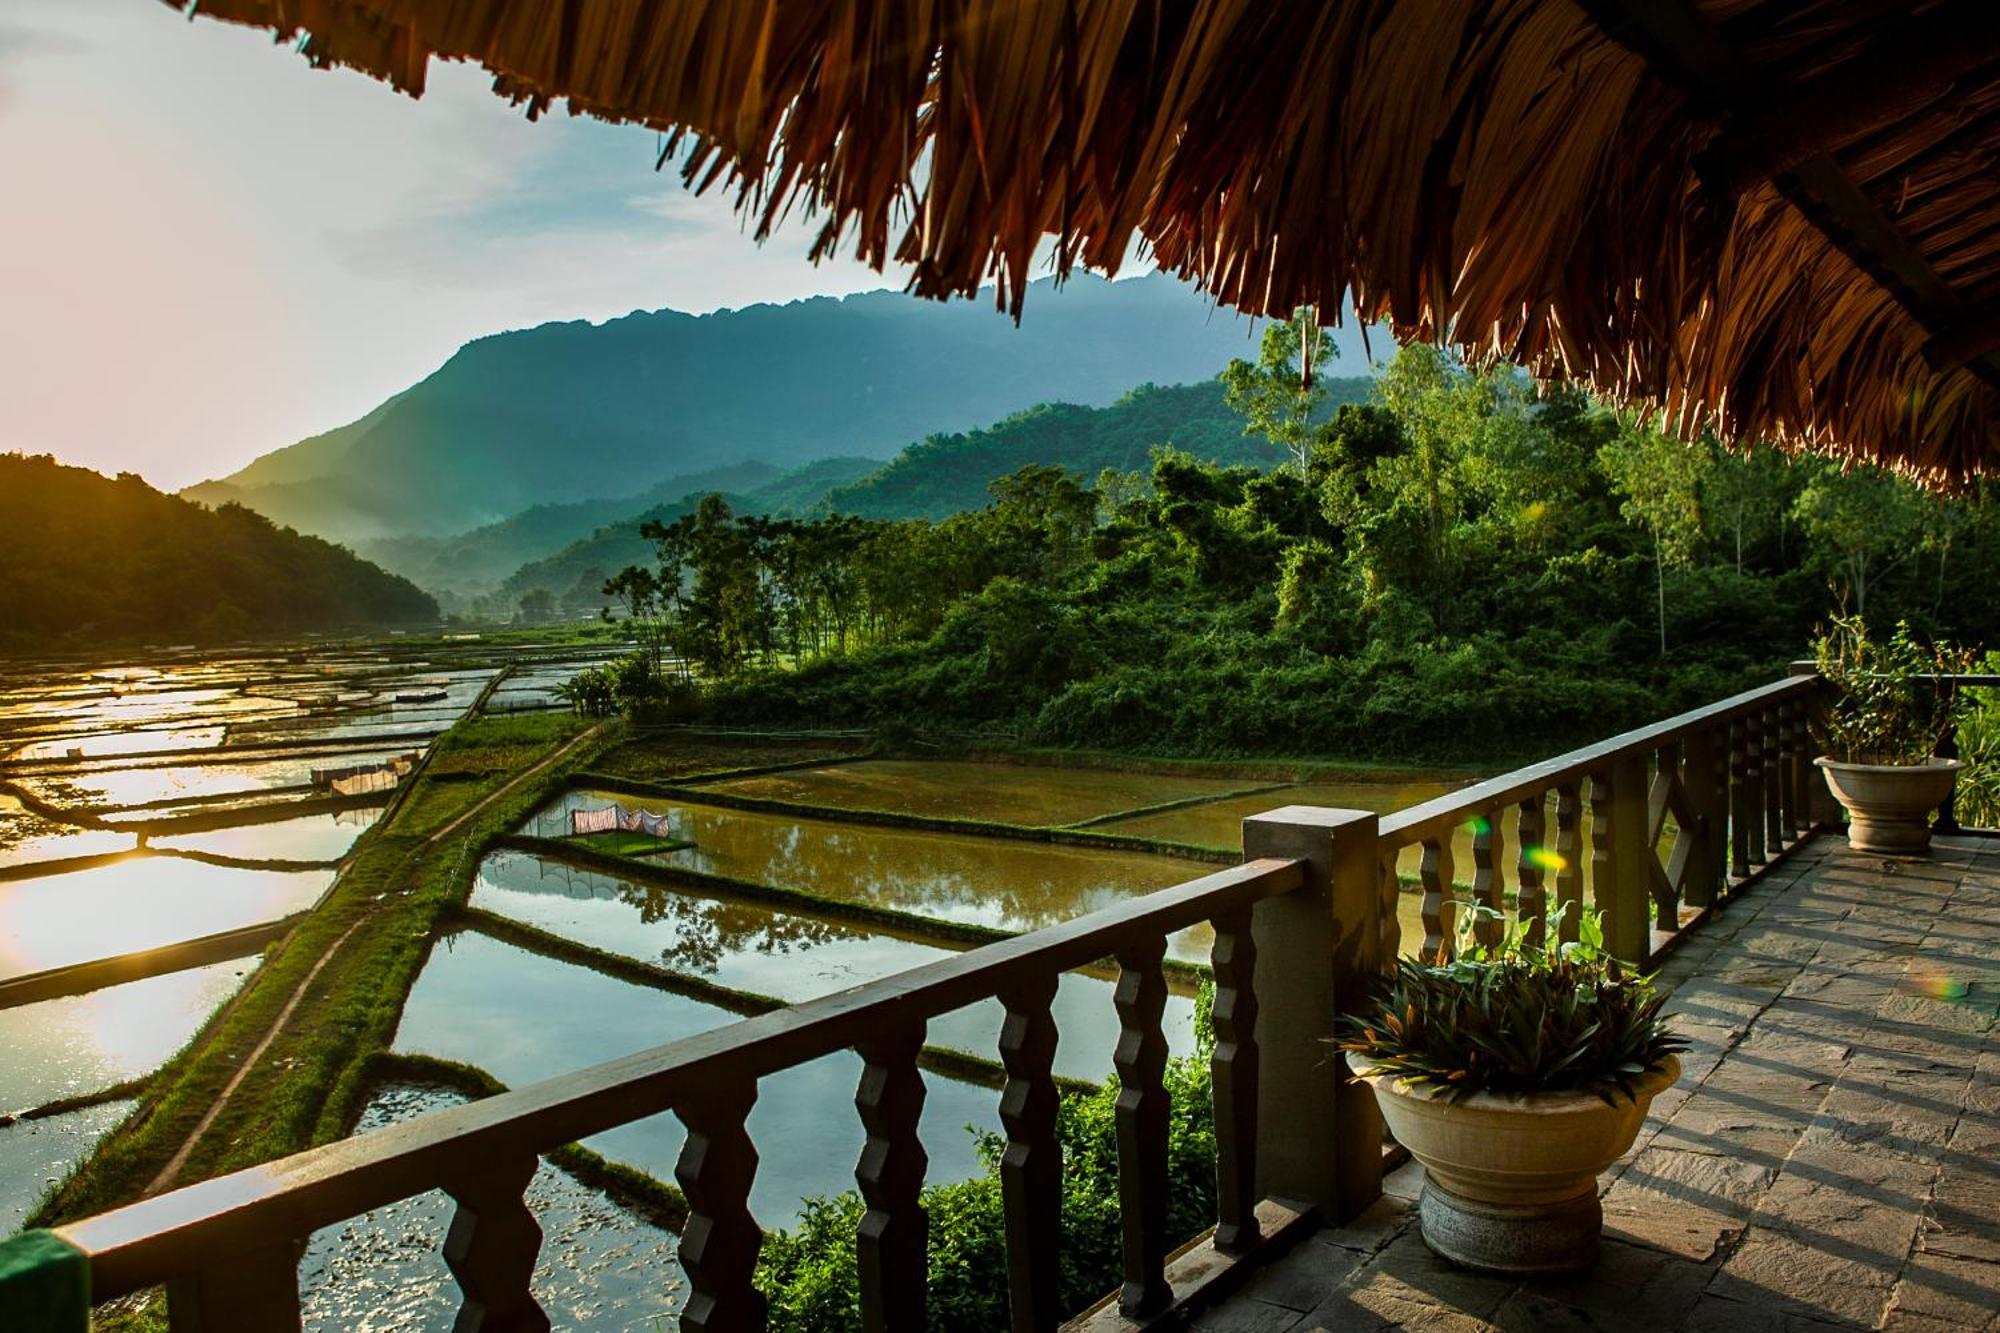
(652, 825)
(594, 821)
(628, 820)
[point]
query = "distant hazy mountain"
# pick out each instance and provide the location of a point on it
(574, 412)
(93, 560)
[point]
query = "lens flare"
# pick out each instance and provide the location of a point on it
(1545, 858)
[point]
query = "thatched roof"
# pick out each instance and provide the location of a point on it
(1776, 218)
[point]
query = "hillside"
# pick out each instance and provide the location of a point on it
(572, 412)
(575, 573)
(476, 561)
(92, 560)
(946, 474)
(949, 474)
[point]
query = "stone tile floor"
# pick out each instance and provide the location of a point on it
(1830, 1158)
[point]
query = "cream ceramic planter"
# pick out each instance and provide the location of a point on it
(1889, 805)
(1511, 1181)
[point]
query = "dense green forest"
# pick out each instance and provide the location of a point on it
(1462, 566)
(949, 474)
(92, 560)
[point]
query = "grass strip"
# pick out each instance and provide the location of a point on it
(83, 1101)
(644, 1194)
(912, 925)
(1168, 807)
(975, 828)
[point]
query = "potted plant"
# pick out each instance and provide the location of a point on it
(1881, 730)
(1515, 1075)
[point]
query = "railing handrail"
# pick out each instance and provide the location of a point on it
(153, 1240)
(1445, 812)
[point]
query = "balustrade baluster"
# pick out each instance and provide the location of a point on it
(1777, 772)
(1530, 902)
(491, 1249)
(720, 1239)
(1569, 857)
(1142, 1115)
(1739, 803)
(1233, 1077)
(1753, 788)
(890, 1243)
(1438, 923)
(1031, 1165)
(1389, 923)
(1659, 807)
(1488, 890)
(247, 1291)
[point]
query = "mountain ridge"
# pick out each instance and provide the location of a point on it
(572, 411)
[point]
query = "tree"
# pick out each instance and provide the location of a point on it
(537, 607)
(1280, 395)
(1659, 481)
(1864, 523)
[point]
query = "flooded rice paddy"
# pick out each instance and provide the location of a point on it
(601, 1268)
(787, 956)
(1008, 883)
(1032, 794)
(225, 747)
(209, 754)
(79, 1044)
(522, 1018)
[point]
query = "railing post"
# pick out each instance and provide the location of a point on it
(1821, 810)
(1619, 882)
(1704, 779)
(254, 1292)
(1233, 1077)
(1319, 949)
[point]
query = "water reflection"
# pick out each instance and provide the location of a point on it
(35, 1155)
(1008, 883)
(308, 838)
(523, 1018)
(789, 956)
(142, 903)
(84, 1043)
(599, 1268)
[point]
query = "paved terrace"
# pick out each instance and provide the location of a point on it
(1830, 1159)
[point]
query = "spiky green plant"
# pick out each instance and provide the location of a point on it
(1518, 1018)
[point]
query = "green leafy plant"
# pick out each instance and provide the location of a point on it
(1977, 803)
(1887, 708)
(1521, 1017)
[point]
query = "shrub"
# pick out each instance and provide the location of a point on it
(1977, 804)
(1885, 709)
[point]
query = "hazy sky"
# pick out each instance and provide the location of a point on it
(208, 249)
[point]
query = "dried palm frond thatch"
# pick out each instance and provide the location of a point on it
(1576, 185)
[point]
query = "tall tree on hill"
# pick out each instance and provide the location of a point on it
(1281, 395)
(1659, 481)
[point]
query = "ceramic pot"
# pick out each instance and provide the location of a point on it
(1889, 805)
(1510, 1182)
